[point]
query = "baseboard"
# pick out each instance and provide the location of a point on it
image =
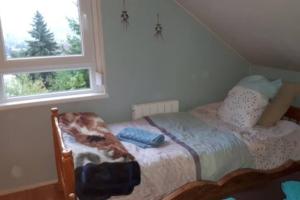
(28, 187)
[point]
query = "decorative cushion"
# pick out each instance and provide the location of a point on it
(262, 85)
(242, 107)
(276, 109)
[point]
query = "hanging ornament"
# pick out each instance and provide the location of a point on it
(125, 16)
(158, 29)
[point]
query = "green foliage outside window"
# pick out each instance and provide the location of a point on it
(74, 40)
(23, 86)
(70, 80)
(43, 43)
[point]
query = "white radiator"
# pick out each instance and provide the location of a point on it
(148, 109)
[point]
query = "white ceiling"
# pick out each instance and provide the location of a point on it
(265, 32)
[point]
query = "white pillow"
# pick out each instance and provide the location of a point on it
(242, 107)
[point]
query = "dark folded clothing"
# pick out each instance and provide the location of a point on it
(99, 182)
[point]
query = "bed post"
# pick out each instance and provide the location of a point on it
(54, 115)
(64, 160)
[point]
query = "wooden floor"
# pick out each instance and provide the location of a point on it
(49, 192)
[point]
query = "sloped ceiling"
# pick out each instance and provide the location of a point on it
(265, 32)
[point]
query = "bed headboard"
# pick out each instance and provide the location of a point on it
(293, 114)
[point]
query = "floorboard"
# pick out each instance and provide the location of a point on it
(49, 192)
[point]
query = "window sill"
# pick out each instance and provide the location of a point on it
(51, 100)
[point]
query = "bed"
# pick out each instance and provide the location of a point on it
(166, 169)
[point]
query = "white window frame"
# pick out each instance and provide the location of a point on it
(92, 58)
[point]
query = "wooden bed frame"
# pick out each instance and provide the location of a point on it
(236, 181)
(200, 190)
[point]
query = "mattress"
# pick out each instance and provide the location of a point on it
(270, 147)
(172, 165)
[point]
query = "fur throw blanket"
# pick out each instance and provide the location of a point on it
(90, 130)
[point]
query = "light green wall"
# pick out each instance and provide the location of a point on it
(190, 65)
(273, 73)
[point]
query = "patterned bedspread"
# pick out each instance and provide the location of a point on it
(215, 152)
(193, 151)
(270, 147)
(200, 146)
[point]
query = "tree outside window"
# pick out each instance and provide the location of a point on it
(42, 43)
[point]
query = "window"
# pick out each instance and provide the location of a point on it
(49, 48)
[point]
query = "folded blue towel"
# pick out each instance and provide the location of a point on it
(141, 138)
(291, 190)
